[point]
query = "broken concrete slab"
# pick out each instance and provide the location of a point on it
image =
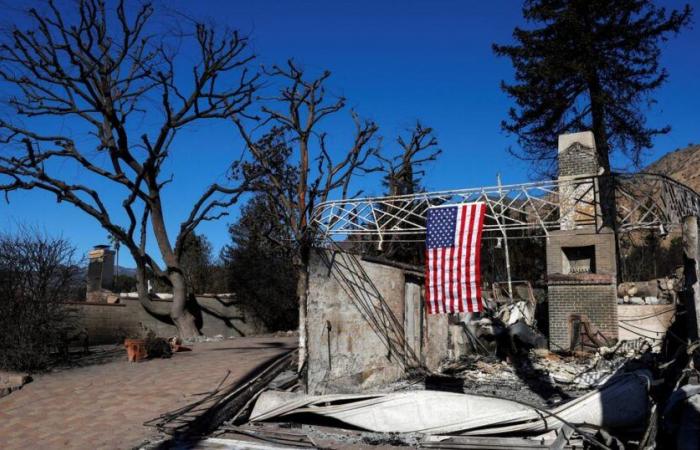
(12, 381)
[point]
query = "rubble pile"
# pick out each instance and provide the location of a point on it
(541, 377)
(615, 397)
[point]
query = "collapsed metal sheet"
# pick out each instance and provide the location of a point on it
(620, 403)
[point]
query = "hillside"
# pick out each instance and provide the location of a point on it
(127, 271)
(682, 165)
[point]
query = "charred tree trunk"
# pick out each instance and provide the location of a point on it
(142, 285)
(183, 319)
(607, 181)
(302, 295)
(302, 291)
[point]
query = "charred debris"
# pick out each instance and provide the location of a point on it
(616, 369)
(509, 391)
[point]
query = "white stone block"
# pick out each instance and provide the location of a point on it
(584, 138)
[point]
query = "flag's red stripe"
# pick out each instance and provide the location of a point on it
(477, 262)
(450, 276)
(475, 255)
(460, 251)
(467, 269)
(443, 299)
(435, 284)
(463, 262)
(427, 282)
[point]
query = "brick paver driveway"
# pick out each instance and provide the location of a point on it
(104, 406)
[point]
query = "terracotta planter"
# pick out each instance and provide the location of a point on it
(135, 349)
(180, 348)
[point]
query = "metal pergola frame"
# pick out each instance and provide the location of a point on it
(643, 201)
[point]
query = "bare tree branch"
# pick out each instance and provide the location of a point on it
(99, 70)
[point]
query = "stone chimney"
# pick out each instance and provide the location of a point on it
(578, 198)
(577, 155)
(100, 272)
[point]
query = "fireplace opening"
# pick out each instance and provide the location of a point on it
(579, 259)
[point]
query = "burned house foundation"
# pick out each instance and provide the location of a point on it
(380, 370)
(378, 363)
(579, 217)
(366, 322)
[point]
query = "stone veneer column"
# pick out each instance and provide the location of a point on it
(577, 158)
(100, 272)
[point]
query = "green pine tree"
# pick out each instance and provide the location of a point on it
(587, 65)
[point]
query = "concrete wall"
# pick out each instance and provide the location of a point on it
(651, 321)
(345, 353)
(108, 323)
(436, 340)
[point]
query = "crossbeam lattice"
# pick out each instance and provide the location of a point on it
(650, 200)
(642, 201)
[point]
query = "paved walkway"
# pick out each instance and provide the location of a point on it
(105, 406)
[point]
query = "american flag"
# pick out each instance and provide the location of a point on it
(453, 248)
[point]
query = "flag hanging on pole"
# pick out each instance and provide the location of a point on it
(453, 254)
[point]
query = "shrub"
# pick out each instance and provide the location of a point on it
(38, 274)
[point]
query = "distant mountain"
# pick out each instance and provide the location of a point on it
(682, 165)
(129, 271)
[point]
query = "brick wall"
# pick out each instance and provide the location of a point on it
(604, 244)
(578, 160)
(595, 299)
(590, 294)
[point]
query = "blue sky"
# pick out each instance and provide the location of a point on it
(395, 62)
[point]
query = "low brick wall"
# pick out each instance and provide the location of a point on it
(592, 296)
(107, 323)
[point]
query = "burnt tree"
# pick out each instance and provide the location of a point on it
(298, 168)
(39, 274)
(402, 176)
(403, 171)
(102, 72)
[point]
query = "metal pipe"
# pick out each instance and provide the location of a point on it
(505, 242)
